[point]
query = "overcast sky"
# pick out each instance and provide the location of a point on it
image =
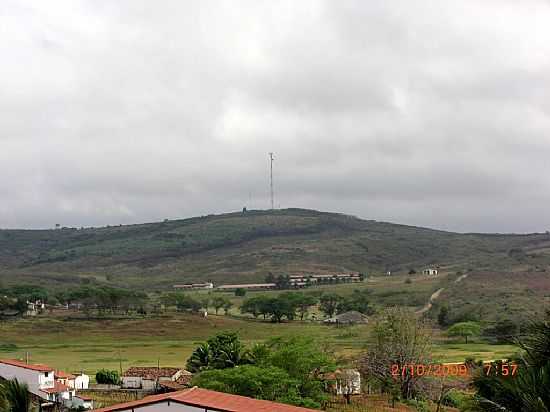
(432, 113)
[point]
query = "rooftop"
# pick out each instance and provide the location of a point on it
(210, 399)
(58, 387)
(151, 372)
(33, 367)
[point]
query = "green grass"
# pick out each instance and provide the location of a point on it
(80, 345)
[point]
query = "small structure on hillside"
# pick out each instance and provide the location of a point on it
(151, 378)
(430, 271)
(206, 285)
(348, 318)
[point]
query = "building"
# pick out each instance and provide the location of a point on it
(41, 381)
(78, 381)
(348, 318)
(344, 382)
(207, 285)
(151, 378)
(202, 400)
(430, 272)
(248, 286)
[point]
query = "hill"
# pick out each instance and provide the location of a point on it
(242, 247)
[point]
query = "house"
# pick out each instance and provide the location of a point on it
(344, 382)
(81, 401)
(348, 318)
(248, 286)
(150, 378)
(207, 285)
(430, 272)
(40, 380)
(202, 400)
(79, 381)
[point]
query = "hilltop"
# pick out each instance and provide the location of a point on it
(242, 247)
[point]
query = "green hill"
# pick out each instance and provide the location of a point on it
(242, 247)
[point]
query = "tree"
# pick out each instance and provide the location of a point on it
(226, 306)
(282, 282)
(528, 390)
(107, 377)
(504, 331)
(224, 350)
(270, 278)
(14, 396)
(443, 316)
(218, 302)
(400, 339)
(240, 292)
(304, 302)
(358, 301)
(253, 305)
(268, 383)
(465, 330)
(329, 303)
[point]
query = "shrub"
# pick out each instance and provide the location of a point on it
(107, 377)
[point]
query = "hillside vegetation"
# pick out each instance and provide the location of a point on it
(242, 247)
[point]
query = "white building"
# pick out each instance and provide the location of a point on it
(149, 378)
(202, 400)
(41, 381)
(430, 272)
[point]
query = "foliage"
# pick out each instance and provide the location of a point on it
(286, 370)
(107, 377)
(358, 301)
(443, 315)
(399, 339)
(464, 330)
(14, 396)
(528, 390)
(329, 303)
(240, 292)
(221, 351)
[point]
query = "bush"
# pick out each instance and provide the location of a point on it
(240, 292)
(107, 377)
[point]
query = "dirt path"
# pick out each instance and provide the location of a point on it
(436, 294)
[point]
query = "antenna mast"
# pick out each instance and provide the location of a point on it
(271, 178)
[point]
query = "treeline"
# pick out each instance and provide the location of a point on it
(293, 305)
(289, 370)
(87, 298)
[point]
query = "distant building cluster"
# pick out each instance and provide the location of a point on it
(281, 282)
(207, 285)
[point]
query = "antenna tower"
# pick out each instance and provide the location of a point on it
(271, 178)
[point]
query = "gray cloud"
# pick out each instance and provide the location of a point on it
(433, 113)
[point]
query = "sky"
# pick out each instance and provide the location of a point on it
(429, 112)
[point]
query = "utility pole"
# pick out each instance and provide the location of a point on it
(271, 177)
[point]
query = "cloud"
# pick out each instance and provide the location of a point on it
(433, 113)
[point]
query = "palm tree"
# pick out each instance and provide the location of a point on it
(14, 396)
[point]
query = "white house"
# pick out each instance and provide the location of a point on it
(202, 400)
(430, 272)
(149, 378)
(78, 381)
(39, 378)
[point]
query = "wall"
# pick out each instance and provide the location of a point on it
(34, 379)
(131, 382)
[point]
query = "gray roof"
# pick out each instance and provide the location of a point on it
(349, 317)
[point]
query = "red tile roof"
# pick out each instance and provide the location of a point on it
(210, 399)
(64, 375)
(151, 372)
(58, 387)
(34, 367)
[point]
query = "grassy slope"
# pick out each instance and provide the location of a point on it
(244, 247)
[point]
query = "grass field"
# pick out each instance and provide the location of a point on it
(75, 344)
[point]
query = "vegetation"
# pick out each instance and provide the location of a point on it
(107, 377)
(400, 340)
(464, 330)
(246, 247)
(528, 391)
(287, 370)
(14, 396)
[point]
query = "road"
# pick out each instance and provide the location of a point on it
(436, 294)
